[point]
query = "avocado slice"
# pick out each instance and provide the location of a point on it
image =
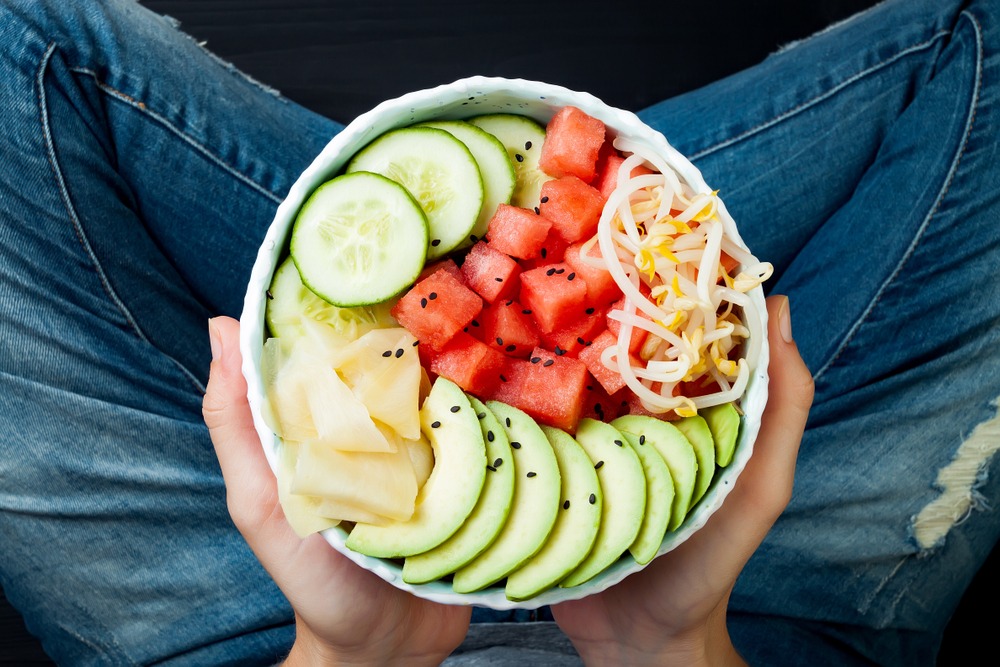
(624, 486)
(486, 519)
(537, 487)
(450, 493)
(659, 500)
(724, 423)
(696, 430)
(576, 525)
(677, 453)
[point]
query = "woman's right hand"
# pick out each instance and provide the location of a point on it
(343, 613)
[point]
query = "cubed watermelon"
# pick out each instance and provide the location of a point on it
(436, 308)
(517, 231)
(551, 389)
(448, 264)
(471, 364)
(573, 139)
(573, 207)
(578, 334)
(553, 295)
(601, 286)
(607, 172)
(599, 405)
(509, 327)
(552, 251)
(491, 273)
(610, 379)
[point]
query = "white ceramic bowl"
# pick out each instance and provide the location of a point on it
(462, 99)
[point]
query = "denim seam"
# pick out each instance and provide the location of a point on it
(956, 160)
(118, 95)
(43, 113)
(794, 111)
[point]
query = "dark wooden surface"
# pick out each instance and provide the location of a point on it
(340, 58)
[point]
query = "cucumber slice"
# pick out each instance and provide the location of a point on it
(441, 174)
(495, 166)
(290, 303)
(523, 138)
(359, 239)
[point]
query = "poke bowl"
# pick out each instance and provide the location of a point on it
(503, 344)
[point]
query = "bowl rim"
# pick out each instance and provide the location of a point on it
(464, 98)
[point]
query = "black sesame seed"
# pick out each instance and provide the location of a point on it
(511, 347)
(566, 505)
(436, 242)
(549, 362)
(527, 145)
(387, 353)
(593, 499)
(544, 199)
(435, 424)
(432, 296)
(597, 466)
(399, 353)
(532, 474)
(518, 157)
(515, 444)
(489, 435)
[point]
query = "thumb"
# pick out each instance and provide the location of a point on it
(251, 489)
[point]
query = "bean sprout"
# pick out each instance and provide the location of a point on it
(667, 249)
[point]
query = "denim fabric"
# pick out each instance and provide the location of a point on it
(863, 162)
(138, 175)
(139, 172)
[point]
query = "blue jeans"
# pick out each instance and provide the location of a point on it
(139, 173)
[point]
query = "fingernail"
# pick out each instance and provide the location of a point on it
(215, 339)
(785, 320)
